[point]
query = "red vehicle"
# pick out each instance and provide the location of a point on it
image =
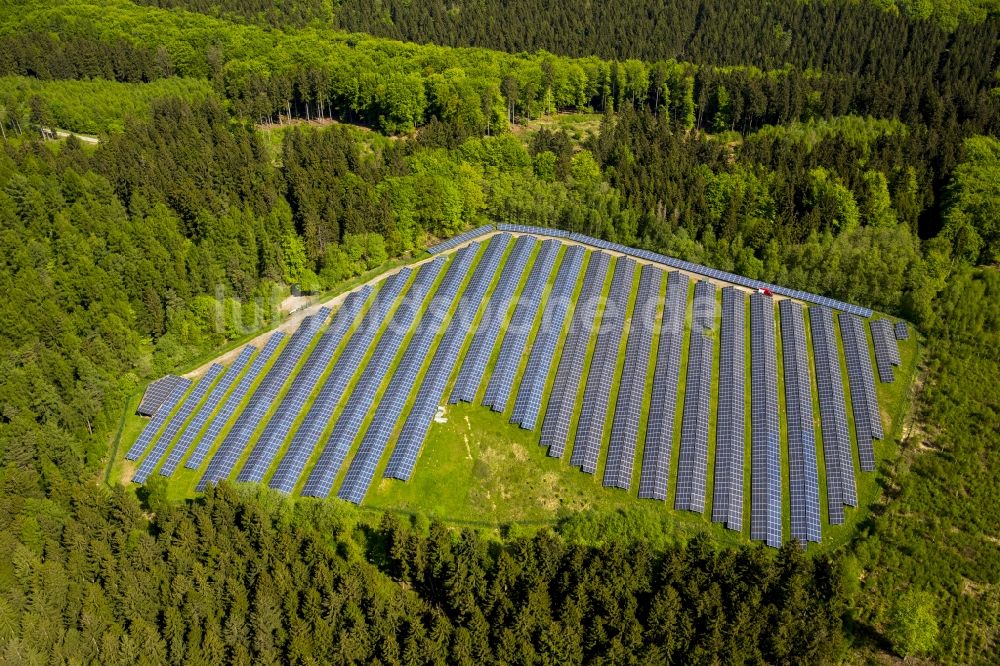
(766, 292)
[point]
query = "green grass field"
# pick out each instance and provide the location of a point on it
(477, 468)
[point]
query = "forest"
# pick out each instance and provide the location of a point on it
(876, 181)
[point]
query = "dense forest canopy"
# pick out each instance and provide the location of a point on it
(780, 150)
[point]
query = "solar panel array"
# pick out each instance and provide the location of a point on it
(470, 375)
(532, 385)
(803, 475)
(321, 412)
(532, 229)
(455, 241)
(294, 401)
(655, 473)
(239, 435)
(886, 348)
(901, 331)
(692, 464)
(840, 485)
(175, 423)
(727, 495)
(232, 402)
(765, 433)
(193, 428)
(157, 393)
(516, 336)
(431, 390)
(632, 387)
(362, 468)
(562, 398)
(159, 418)
(864, 402)
(346, 429)
(603, 366)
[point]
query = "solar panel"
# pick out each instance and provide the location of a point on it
(193, 428)
(158, 419)
(603, 365)
(161, 443)
(260, 402)
(345, 430)
(765, 433)
(532, 385)
(727, 495)
(431, 390)
(692, 464)
(864, 403)
(362, 468)
(886, 349)
(663, 404)
(632, 387)
(157, 393)
(321, 411)
(280, 424)
(901, 331)
(536, 230)
(477, 357)
(562, 399)
(515, 338)
(840, 485)
(803, 474)
(232, 402)
(461, 238)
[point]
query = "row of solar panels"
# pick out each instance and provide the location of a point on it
(561, 406)
(672, 262)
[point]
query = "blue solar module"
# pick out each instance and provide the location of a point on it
(603, 366)
(536, 373)
(193, 428)
(632, 387)
(346, 428)
(362, 468)
(321, 411)
(692, 463)
(765, 433)
(886, 349)
(175, 423)
(260, 402)
(727, 494)
(658, 445)
(461, 238)
(233, 401)
(724, 276)
(864, 403)
(840, 484)
(515, 338)
(901, 331)
(159, 418)
(536, 230)
(431, 390)
(157, 393)
(473, 369)
(302, 386)
(562, 399)
(803, 474)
